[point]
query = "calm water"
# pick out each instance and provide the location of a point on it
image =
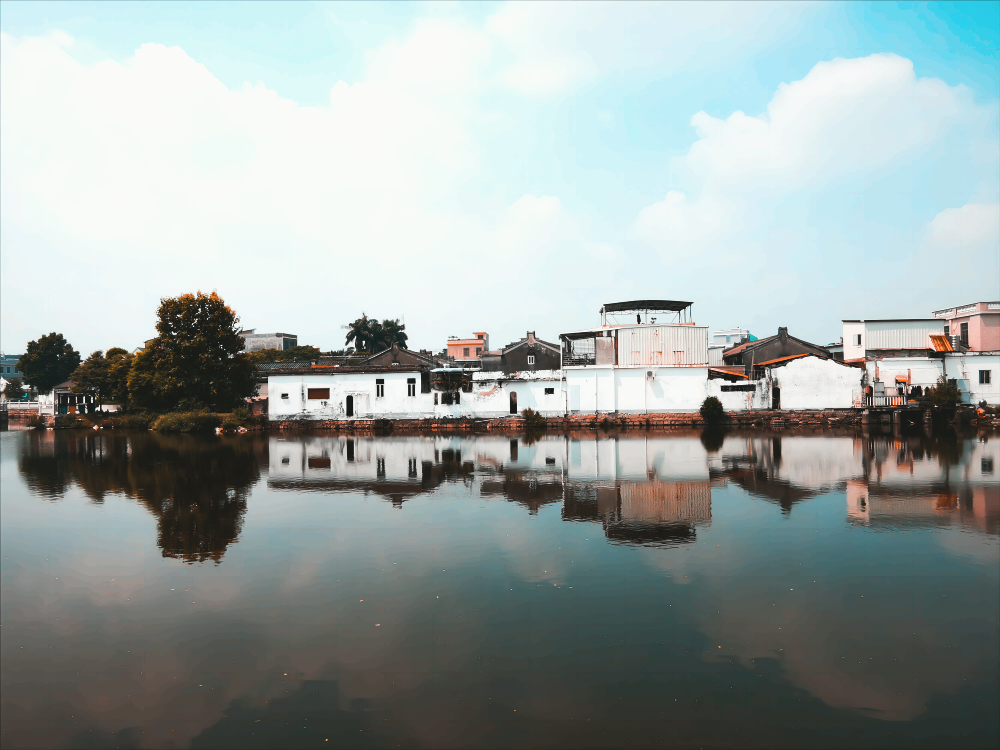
(678, 591)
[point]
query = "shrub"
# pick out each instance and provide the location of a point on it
(533, 420)
(712, 411)
(945, 393)
(192, 421)
(36, 422)
(142, 420)
(68, 422)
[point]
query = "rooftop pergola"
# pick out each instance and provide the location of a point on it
(681, 310)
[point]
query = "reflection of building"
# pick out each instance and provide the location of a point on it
(926, 483)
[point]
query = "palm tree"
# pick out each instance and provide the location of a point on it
(360, 332)
(392, 332)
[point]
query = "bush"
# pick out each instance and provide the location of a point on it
(36, 422)
(945, 393)
(533, 420)
(141, 421)
(68, 422)
(712, 411)
(192, 421)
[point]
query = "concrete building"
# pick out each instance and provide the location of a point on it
(529, 354)
(256, 341)
(977, 326)
(9, 371)
(898, 337)
(637, 367)
(470, 350)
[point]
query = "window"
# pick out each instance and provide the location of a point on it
(284, 395)
(458, 397)
(984, 377)
(411, 386)
(425, 383)
(964, 334)
(550, 391)
(466, 350)
(531, 359)
(316, 393)
(479, 351)
(947, 331)
(857, 340)
(379, 388)
(986, 465)
(479, 336)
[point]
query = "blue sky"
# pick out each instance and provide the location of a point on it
(496, 167)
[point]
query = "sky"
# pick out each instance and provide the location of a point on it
(497, 167)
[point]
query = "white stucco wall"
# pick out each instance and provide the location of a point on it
(815, 383)
(966, 366)
(395, 404)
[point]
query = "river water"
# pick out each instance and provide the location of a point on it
(688, 590)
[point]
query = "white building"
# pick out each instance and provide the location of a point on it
(256, 341)
(900, 337)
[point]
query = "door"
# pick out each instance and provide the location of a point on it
(350, 411)
(513, 402)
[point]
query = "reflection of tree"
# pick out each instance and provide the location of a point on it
(531, 489)
(197, 487)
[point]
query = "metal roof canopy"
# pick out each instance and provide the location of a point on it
(646, 305)
(682, 309)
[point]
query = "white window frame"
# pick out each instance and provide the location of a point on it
(531, 359)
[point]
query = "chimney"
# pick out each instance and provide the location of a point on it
(783, 334)
(531, 338)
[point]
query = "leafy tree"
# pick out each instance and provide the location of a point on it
(92, 377)
(119, 367)
(945, 393)
(13, 390)
(197, 358)
(48, 362)
(299, 353)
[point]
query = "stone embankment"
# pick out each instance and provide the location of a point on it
(829, 417)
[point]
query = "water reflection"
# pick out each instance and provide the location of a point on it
(196, 487)
(483, 591)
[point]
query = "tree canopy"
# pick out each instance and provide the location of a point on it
(48, 362)
(106, 377)
(292, 354)
(370, 335)
(13, 389)
(197, 360)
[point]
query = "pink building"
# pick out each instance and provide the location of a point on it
(977, 325)
(469, 350)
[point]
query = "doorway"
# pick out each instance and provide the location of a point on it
(513, 402)
(350, 406)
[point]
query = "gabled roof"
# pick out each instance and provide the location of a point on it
(538, 342)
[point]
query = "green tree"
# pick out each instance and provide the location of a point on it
(119, 367)
(945, 393)
(295, 353)
(13, 390)
(93, 377)
(196, 360)
(48, 362)
(712, 411)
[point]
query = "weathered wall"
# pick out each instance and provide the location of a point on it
(924, 371)
(815, 383)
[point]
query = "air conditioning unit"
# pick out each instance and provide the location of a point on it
(649, 374)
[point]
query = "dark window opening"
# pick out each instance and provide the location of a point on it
(466, 350)
(550, 391)
(379, 388)
(479, 351)
(284, 395)
(411, 386)
(350, 449)
(947, 330)
(984, 377)
(318, 393)
(857, 339)
(550, 461)
(513, 402)
(458, 397)
(425, 383)
(964, 335)
(285, 461)
(349, 408)
(435, 399)
(986, 465)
